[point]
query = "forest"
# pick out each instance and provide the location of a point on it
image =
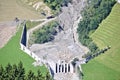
(17, 72)
(92, 16)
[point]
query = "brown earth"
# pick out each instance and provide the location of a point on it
(7, 30)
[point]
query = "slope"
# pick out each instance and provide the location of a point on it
(106, 66)
(12, 54)
(10, 9)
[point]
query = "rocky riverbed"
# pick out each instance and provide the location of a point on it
(65, 46)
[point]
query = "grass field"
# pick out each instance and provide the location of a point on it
(9, 9)
(106, 66)
(11, 53)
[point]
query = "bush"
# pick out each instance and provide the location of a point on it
(46, 33)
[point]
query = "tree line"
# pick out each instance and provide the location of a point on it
(56, 5)
(92, 15)
(17, 72)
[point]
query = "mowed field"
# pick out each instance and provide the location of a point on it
(9, 9)
(106, 66)
(11, 53)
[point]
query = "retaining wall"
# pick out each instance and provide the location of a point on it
(25, 49)
(49, 64)
(24, 36)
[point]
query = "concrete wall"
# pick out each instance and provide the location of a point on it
(30, 53)
(24, 36)
(49, 64)
(25, 49)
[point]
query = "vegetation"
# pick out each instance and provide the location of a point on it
(17, 72)
(56, 5)
(11, 53)
(92, 15)
(46, 33)
(31, 24)
(95, 70)
(106, 66)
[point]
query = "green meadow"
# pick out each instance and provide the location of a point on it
(106, 66)
(11, 53)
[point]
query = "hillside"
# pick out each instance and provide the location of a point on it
(9, 9)
(106, 66)
(12, 54)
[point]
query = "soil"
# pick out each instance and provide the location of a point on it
(7, 30)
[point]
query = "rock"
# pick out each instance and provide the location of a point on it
(71, 13)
